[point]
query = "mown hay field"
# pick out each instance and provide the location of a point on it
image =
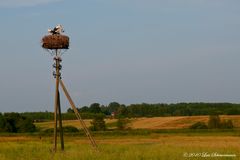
(75, 123)
(178, 122)
(152, 147)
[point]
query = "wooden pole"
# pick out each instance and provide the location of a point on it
(60, 123)
(56, 100)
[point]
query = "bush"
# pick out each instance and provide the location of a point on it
(25, 125)
(2, 123)
(66, 129)
(199, 125)
(70, 129)
(14, 122)
(49, 130)
(122, 123)
(227, 124)
(98, 123)
(214, 122)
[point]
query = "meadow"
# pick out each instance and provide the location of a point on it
(141, 143)
(151, 147)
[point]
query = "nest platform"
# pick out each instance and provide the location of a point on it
(55, 41)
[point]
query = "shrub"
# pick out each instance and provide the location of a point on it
(2, 123)
(25, 125)
(199, 125)
(14, 122)
(66, 129)
(227, 124)
(122, 123)
(98, 123)
(49, 130)
(214, 122)
(70, 129)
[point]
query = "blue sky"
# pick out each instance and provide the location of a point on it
(129, 51)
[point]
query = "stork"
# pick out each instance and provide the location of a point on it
(56, 30)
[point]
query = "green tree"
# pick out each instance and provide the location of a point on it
(84, 109)
(113, 107)
(25, 125)
(122, 123)
(122, 111)
(11, 120)
(70, 110)
(104, 110)
(17, 123)
(214, 122)
(2, 123)
(95, 108)
(98, 123)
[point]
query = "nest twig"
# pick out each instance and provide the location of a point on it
(55, 41)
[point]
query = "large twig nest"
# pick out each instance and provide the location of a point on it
(55, 41)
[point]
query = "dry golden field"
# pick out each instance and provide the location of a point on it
(75, 123)
(179, 122)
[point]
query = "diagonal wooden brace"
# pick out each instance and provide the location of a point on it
(85, 129)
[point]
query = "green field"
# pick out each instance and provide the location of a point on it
(149, 139)
(138, 147)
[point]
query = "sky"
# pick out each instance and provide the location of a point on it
(128, 51)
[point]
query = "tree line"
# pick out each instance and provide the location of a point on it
(16, 123)
(24, 122)
(142, 110)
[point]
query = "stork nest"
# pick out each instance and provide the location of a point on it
(55, 41)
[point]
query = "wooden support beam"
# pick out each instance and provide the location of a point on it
(60, 123)
(56, 103)
(85, 129)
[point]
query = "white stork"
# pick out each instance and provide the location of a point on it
(56, 30)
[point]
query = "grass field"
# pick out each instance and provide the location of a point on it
(159, 138)
(152, 147)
